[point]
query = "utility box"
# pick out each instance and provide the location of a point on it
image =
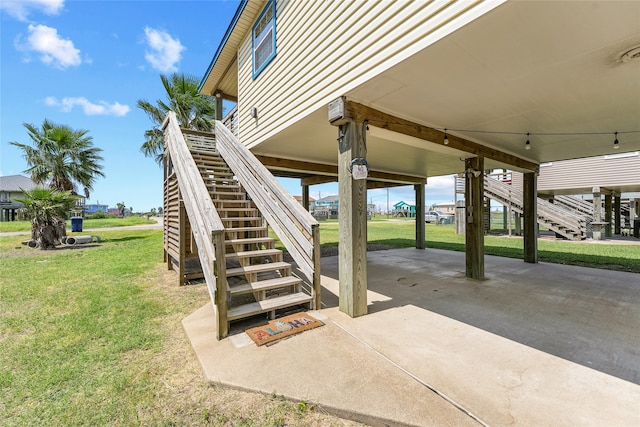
(76, 223)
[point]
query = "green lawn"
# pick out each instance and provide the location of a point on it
(91, 335)
(402, 234)
(87, 223)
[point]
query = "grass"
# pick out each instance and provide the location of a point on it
(401, 234)
(87, 223)
(92, 335)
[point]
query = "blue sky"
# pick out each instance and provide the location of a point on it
(85, 64)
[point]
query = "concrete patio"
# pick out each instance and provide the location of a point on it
(533, 344)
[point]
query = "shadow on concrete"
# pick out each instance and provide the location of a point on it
(584, 315)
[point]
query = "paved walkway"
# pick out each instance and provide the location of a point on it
(534, 344)
(158, 224)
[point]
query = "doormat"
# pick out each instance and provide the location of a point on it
(283, 327)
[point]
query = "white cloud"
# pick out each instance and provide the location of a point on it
(53, 49)
(20, 9)
(102, 108)
(165, 51)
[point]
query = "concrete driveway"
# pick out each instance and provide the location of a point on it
(534, 344)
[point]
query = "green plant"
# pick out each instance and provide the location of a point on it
(48, 210)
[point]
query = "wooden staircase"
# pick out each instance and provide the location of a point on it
(210, 217)
(554, 217)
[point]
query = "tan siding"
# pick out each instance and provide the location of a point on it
(325, 49)
(586, 173)
(593, 171)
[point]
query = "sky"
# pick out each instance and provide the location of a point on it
(85, 64)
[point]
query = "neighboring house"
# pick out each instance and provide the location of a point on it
(448, 208)
(404, 209)
(10, 187)
(312, 202)
(417, 89)
(96, 207)
(326, 207)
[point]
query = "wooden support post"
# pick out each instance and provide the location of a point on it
(221, 293)
(607, 214)
(305, 197)
(420, 212)
(352, 227)
(518, 224)
(474, 236)
(530, 207)
(596, 224)
(219, 108)
(182, 221)
(617, 214)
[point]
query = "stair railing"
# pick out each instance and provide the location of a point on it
(206, 225)
(296, 228)
(547, 212)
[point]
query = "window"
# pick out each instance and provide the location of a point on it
(264, 38)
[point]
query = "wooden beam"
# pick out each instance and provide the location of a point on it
(318, 179)
(530, 214)
(356, 111)
(420, 212)
(474, 227)
(276, 163)
(352, 227)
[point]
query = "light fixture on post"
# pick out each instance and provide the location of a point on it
(616, 144)
(527, 145)
(472, 173)
(218, 94)
(446, 138)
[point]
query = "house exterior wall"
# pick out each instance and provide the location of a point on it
(615, 170)
(325, 49)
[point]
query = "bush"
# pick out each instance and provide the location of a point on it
(100, 215)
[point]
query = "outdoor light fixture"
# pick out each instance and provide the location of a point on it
(473, 173)
(446, 138)
(218, 95)
(616, 144)
(527, 145)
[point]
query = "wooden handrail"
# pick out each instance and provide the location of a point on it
(553, 214)
(206, 225)
(296, 228)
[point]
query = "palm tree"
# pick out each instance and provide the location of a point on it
(48, 209)
(61, 157)
(194, 111)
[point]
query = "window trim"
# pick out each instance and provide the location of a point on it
(256, 72)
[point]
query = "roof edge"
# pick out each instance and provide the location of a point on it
(227, 34)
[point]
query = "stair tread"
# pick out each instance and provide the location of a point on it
(249, 240)
(252, 309)
(240, 229)
(257, 268)
(260, 252)
(242, 218)
(263, 285)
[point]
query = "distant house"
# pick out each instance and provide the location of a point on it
(96, 207)
(445, 207)
(312, 202)
(404, 209)
(10, 187)
(326, 208)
